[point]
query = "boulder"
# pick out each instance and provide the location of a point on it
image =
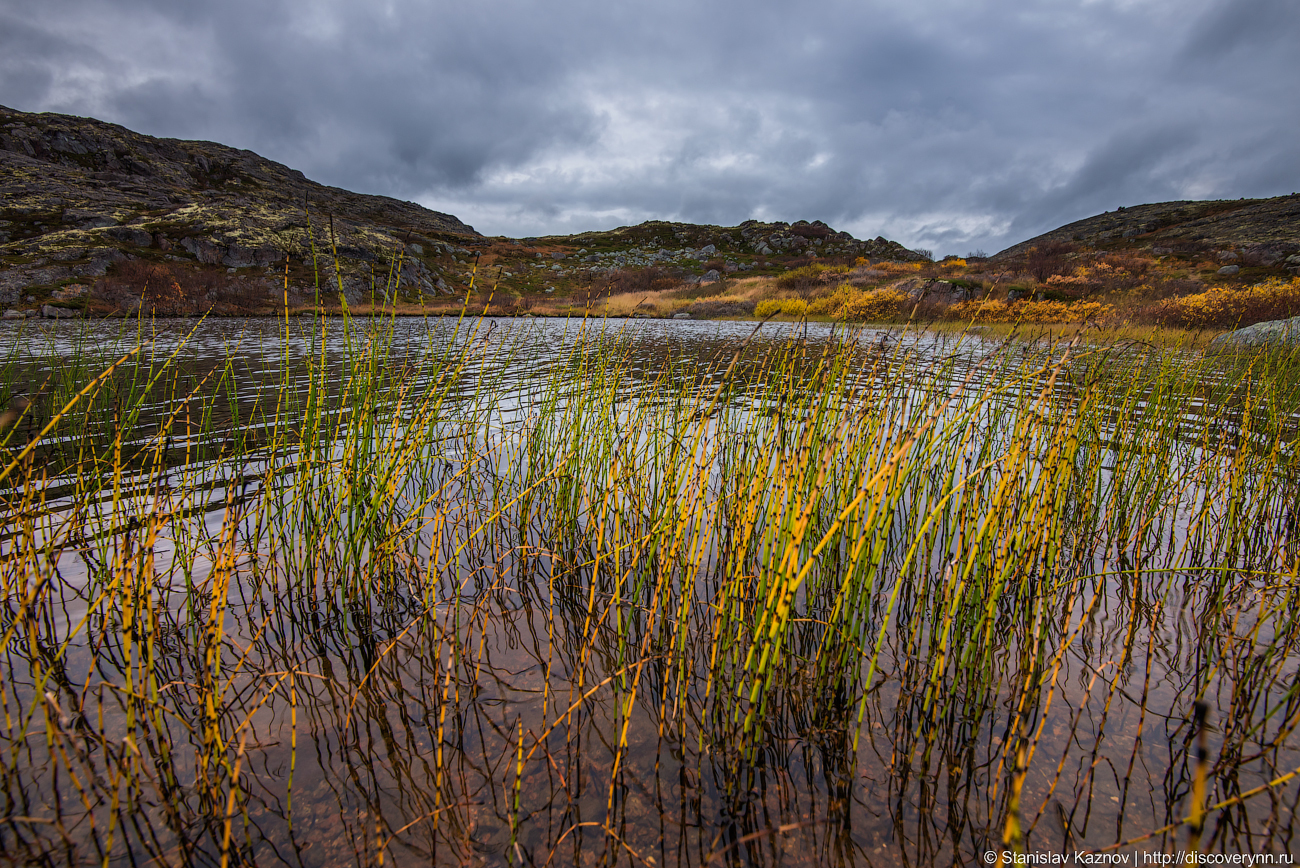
(14, 314)
(1278, 331)
(1227, 256)
(130, 235)
(88, 219)
(242, 257)
(707, 250)
(711, 276)
(204, 250)
(1269, 254)
(49, 311)
(1229, 269)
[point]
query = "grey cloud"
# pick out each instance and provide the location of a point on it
(1232, 26)
(947, 124)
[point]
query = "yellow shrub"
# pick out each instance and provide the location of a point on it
(876, 305)
(809, 275)
(1028, 311)
(783, 306)
(827, 305)
(899, 267)
(1228, 307)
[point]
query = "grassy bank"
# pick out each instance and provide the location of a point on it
(815, 601)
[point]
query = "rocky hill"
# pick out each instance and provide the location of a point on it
(96, 218)
(1265, 229)
(78, 195)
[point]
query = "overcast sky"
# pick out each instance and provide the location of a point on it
(945, 124)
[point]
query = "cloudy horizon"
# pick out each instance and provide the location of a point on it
(941, 124)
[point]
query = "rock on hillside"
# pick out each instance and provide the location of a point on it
(1267, 228)
(78, 195)
(661, 241)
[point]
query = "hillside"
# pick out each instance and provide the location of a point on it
(1269, 228)
(79, 196)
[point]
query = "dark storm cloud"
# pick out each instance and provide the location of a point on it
(945, 124)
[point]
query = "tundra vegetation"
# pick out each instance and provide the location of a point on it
(466, 591)
(1062, 284)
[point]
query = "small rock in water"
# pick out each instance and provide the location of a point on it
(681, 316)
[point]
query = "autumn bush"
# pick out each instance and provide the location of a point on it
(894, 269)
(1048, 259)
(632, 280)
(875, 305)
(1231, 307)
(169, 288)
(781, 307)
(1027, 311)
(810, 277)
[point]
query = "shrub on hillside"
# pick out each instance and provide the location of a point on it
(632, 280)
(1229, 307)
(1042, 312)
(809, 277)
(781, 307)
(169, 288)
(899, 268)
(1048, 259)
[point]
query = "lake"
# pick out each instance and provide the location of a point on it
(534, 592)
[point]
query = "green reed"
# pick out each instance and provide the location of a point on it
(991, 579)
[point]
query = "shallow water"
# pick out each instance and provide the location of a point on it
(522, 697)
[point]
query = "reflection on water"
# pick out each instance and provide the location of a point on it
(490, 635)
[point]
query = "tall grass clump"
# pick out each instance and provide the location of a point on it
(464, 593)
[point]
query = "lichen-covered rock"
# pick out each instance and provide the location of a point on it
(1279, 331)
